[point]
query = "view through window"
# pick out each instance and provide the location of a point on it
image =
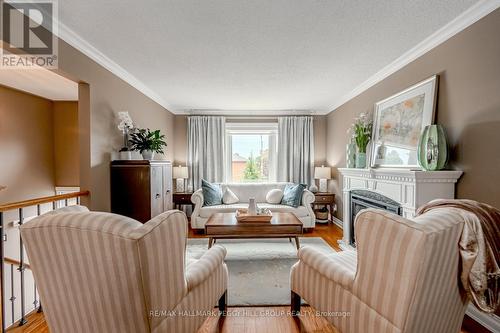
(251, 154)
(250, 158)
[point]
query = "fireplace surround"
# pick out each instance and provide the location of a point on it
(408, 188)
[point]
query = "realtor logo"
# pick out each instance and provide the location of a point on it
(28, 34)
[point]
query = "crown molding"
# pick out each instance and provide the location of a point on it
(464, 20)
(461, 22)
(73, 39)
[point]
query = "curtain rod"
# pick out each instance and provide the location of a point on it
(251, 117)
(249, 113)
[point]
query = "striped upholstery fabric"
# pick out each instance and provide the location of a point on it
(101, 272)
(404, 277)
(339, 267)
(200, 300)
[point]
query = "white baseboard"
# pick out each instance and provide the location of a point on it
(490, 321)
(338, 222)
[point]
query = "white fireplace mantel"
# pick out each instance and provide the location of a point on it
(410, 188)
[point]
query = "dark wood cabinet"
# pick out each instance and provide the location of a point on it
(141, 189)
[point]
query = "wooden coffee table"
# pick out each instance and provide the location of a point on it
(225, 225)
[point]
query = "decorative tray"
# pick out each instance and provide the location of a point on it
(264, 216)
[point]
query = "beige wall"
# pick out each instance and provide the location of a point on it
(38, 145)
(180, 133)
(180, 149)
(101, 95)
(26, 146)
(320, 123)
(468, 107)
(106, 94)
(66, 145)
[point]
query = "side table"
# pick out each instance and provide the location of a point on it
(180, 199)
(325, 199)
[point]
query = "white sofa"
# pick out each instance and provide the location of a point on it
(244, 191)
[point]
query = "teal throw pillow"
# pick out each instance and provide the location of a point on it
(212, 193)
(292, 195)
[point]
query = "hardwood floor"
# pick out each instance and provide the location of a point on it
(328, 231)
(267, 319)
(259, 319)
(36, 324)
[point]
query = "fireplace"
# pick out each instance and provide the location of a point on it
(362, 199)
(408, 188)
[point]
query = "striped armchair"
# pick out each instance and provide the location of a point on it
(101, 272)
(404, 276)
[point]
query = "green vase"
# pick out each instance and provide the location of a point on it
(432, 148)
(361, 160)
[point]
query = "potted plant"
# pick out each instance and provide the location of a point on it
(147, 142)
(126, 126)
(362, 129)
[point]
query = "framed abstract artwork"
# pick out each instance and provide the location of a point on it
(398, 123)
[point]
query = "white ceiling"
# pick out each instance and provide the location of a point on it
(241, 55)
(40, 82)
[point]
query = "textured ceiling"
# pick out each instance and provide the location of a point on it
(255, 54)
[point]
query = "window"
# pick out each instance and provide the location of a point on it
(251, 152)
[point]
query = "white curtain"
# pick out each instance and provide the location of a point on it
(206, 136)
(296, 150)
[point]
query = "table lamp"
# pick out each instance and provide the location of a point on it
(323, 173)
(180, 174)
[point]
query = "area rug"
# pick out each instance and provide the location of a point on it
(259, 269)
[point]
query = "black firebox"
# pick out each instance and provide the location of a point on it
(362, 199)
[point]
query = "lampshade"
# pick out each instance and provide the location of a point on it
(322, 172)
(180, 172)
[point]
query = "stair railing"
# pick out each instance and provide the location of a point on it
(20, 264)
